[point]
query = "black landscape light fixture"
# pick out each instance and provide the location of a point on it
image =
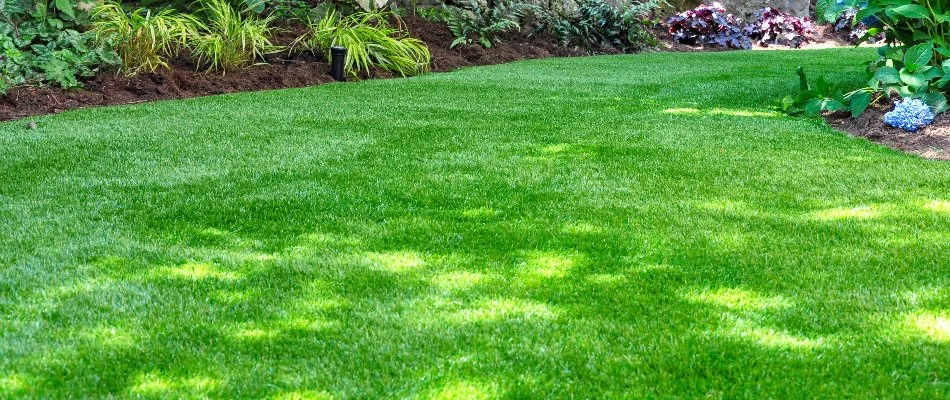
(337, 59)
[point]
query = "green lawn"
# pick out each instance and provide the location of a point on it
(623, 226)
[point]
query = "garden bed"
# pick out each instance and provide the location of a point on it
(932, 142)
(283, 70)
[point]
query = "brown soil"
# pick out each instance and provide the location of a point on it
(284, 70)
(932, 142)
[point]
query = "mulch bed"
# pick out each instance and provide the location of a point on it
(281, 71)
(300, 69)
(932, 142)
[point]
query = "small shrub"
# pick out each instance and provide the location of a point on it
(709, 24)
(598, 25)
(370, 41)
(773, 26)
(142, 38)
(472, 23)
(909, 115)
(230, 39)
(43, 42)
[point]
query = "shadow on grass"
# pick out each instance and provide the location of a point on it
(321, 295)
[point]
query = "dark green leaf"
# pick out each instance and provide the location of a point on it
(937, 102)
(859, 102)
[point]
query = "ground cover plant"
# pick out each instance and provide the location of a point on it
(709, 24)
(42, 42)
(552, 228)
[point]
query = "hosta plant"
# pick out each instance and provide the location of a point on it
(709, 25)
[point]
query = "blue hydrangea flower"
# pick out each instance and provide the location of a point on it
(909, 115)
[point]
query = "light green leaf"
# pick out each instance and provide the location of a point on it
(66, 7)
(912, 11)
(919, 56)
(887, 75)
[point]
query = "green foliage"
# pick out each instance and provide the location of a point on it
(142, 38)
(813, 99)
(909, 74)
(442, 236)
(370, 41)
(598, 25)
(913, 64)
(230, 39)
(904, 22)
(43, 42)
(471, 23)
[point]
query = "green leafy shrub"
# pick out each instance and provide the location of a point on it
(43, 42)
(471, 23)
(142, 38)
(370, 41)
(813, 99)
(904, 23)
(598, 25)
(230, 39)
(913, 65)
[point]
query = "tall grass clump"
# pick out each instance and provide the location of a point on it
(229, 38)
(142, 38)
(371, 41)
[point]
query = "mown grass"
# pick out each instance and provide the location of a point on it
(625, 226)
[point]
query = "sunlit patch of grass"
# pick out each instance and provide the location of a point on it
(582, 228)
(464, 390)
(198, 271)
(739, 299)
(744, 113)
(606, 279)
(772, 338)
(684, 110)
(12, 383)
(940, 206)
(549, 264)
(458, 280)
(303, 395)
(860, 212)
(935, 326)
(502, 310)
(158, 385)
(397, 261)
